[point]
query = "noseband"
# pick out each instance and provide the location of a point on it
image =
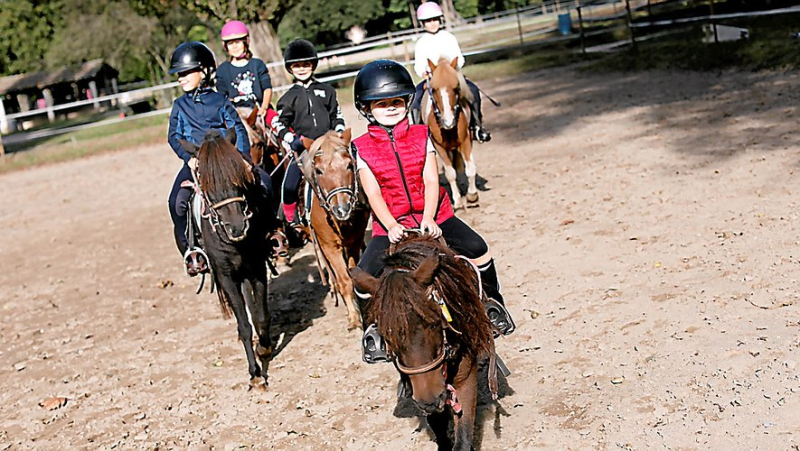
(411, 370)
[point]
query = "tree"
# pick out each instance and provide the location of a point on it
(26, 29)
(325, 23)
(262, 17)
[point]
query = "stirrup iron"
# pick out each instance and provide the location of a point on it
(373, 347)
(499, 317)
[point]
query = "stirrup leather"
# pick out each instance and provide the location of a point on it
(499, 317)
(373, 347)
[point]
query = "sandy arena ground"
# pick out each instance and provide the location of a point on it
(644, 226)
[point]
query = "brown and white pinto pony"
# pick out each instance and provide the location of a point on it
(427, 307)
(446, 111)
(338, 217)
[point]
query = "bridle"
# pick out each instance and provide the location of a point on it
(212, 215)
(325, 198)
(437, 113)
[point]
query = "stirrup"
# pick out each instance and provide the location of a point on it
(280, 245)
(373, 348)
(499, 317)
(195, 261)
(300, 231)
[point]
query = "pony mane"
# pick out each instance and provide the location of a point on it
(398, 296)
(221, 166)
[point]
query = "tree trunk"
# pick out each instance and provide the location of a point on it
(264, 44)
(451, 16)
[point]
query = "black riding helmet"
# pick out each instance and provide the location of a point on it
(382, 79)
(192, 55)
(299, 51)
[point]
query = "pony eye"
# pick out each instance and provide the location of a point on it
(318, 171)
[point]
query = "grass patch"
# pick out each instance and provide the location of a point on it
(770, 47)
(92, 141)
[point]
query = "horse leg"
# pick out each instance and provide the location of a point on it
(471, 170)
(259, 311)
(234, 292)
(467, 390)
(346, 287)
(439, 423)
(450, 174)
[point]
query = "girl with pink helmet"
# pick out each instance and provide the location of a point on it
(243, 79)
(438, 43)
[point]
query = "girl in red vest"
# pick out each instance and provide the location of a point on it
(396, 164)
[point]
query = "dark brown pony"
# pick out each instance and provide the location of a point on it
(338, 217)
(448, 115)
(428, 309)
(234, 226)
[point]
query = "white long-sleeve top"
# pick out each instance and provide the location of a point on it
(434, 46)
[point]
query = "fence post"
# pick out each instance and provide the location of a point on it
(630, 24)
(3, 126)
(713, 24)
(48, 102)
(580, 25)
(519, 28)
(391, 45)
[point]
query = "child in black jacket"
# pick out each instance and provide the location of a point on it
(308, 109)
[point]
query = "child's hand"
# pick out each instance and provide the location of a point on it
(396, 232)
(192, 163)
(430, 227)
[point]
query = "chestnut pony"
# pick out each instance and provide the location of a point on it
(447, 115)
(428, 308)
(338, 217)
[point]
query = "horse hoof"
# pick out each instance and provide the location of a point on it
(352, 325)
(258, 384)
(472, 198)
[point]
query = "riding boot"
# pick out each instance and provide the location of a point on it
(495, 305)
(481, 134)
(373, 348)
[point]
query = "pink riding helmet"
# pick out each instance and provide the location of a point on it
(234, 30)
(429, 10)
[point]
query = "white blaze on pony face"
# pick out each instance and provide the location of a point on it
(448, 118)
(389, 112)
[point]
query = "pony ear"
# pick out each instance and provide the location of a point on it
(427, 270)
(454, 63)
(251, 119)
(307, 143)
(346, 135)
(432, 65)
(230, 135)
(189, 147)
(363, 280)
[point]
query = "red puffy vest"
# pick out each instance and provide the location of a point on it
(397, 161)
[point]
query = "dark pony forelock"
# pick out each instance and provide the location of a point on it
(401, 305)
(221, 167)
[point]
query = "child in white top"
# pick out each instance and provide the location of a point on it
(437, 43)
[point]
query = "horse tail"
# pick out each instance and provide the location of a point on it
(224, 301)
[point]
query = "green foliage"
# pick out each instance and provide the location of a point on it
(467, 8)
(326, 22)
(26, 28)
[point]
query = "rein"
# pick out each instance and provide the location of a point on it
(411, 370)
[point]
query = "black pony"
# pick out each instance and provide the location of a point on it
(235, 222)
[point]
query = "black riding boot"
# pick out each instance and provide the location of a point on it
(495, 306)
(481, 134)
